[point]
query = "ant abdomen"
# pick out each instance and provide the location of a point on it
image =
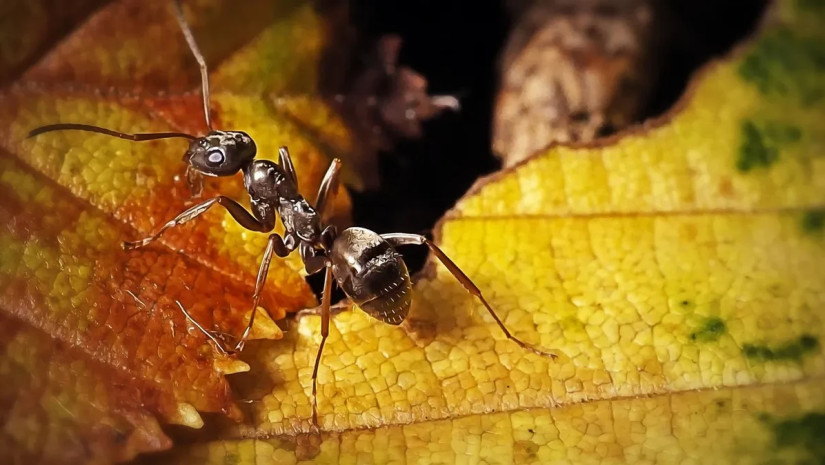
(372, 274)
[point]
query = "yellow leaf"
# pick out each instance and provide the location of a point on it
(678, 270)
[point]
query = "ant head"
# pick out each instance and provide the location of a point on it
(221, 153)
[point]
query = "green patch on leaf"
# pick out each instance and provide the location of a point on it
(754, 152)
(806, 432)
(783, 64)
(761, 143)
(780, 134)
(712, 329)
(813, 221)
(792, 350)
(813, 6)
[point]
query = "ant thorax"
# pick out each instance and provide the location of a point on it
(301, 219)
(266, 181)
(270, 188)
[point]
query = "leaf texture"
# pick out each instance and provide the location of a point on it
(96, 356)
(677, 269)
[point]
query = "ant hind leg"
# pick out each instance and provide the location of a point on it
(329, 185)
(285, 161)
(397, 239)
(325, 299)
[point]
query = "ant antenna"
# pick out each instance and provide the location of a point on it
(193, 47)
(89, 128)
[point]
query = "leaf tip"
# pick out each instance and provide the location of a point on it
(187, 415)
(228, 366)
(264, 326)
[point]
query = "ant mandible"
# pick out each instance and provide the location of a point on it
(364, 264)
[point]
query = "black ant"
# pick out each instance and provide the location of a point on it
(364, 264)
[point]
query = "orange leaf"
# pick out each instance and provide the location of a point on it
(107, 352)
(70, 290)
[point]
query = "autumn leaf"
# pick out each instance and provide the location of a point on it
(96, 356)
(131, 181)
(677, 269)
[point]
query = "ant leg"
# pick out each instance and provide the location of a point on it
(274, 244)
(193, 47)
(397, 239)
(313, 262)
(340, 307)
(328, 236)
(286, 163)
(194, 179)
(325, 298)
(328, 186)
(208, 334)
(243, 217)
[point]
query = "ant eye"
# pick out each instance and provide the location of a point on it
(215, 157)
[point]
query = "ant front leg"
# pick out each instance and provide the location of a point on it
(281, 248)
(274, 245)
(206, 333)
(194, 180)
(243, 217)
(397, 239)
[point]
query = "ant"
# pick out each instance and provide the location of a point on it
(364, 264)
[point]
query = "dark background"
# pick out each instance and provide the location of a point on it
(455, 45)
